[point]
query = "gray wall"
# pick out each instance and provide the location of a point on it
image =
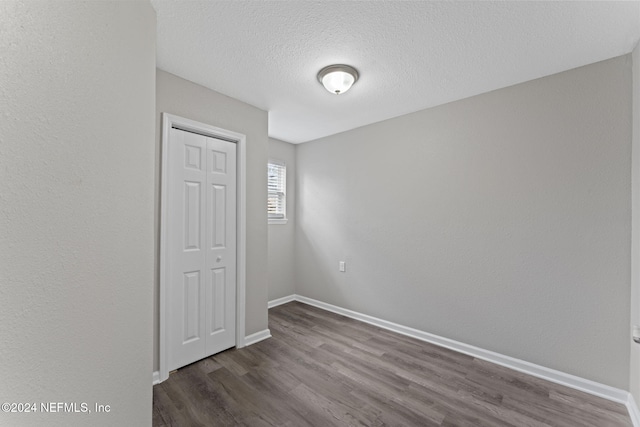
(76, 209)
(502, 221)
(281, 236)
(186, 99)
(634, 368)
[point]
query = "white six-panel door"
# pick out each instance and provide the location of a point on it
(201, 236)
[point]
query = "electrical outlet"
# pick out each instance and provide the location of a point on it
(342, 266)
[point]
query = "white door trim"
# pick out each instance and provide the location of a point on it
(170, 121)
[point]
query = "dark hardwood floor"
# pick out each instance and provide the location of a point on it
(322, 369)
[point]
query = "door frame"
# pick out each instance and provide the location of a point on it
(172, 121)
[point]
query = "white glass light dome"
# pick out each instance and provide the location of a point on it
(338, 79)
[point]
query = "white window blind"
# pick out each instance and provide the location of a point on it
(276, 185)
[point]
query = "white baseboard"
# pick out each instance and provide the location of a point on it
(257, 337)
(632, 407)
(558, 377)
(280, 301)
(156, 377)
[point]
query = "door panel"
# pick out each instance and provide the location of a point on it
(192, 215)
(191, 309)
(218, 291)
(221, 246)
(201, 237)
(217, 198)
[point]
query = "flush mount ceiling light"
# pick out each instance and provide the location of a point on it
(338, 79)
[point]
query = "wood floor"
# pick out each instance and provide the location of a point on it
(322, 369)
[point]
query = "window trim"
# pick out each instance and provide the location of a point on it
(278, 221)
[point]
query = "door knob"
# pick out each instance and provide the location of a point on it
(219, 259)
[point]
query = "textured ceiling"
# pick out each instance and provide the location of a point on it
(411, 55)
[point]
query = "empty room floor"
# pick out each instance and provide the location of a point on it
(323, 369)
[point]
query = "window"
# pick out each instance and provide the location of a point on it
(276, 187)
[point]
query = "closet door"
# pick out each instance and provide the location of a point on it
(201, 238)
(221, 246)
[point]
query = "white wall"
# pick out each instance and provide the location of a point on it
(76, 209)
(186, 99)
(634, 368)
(502, 221)
(281, 236)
